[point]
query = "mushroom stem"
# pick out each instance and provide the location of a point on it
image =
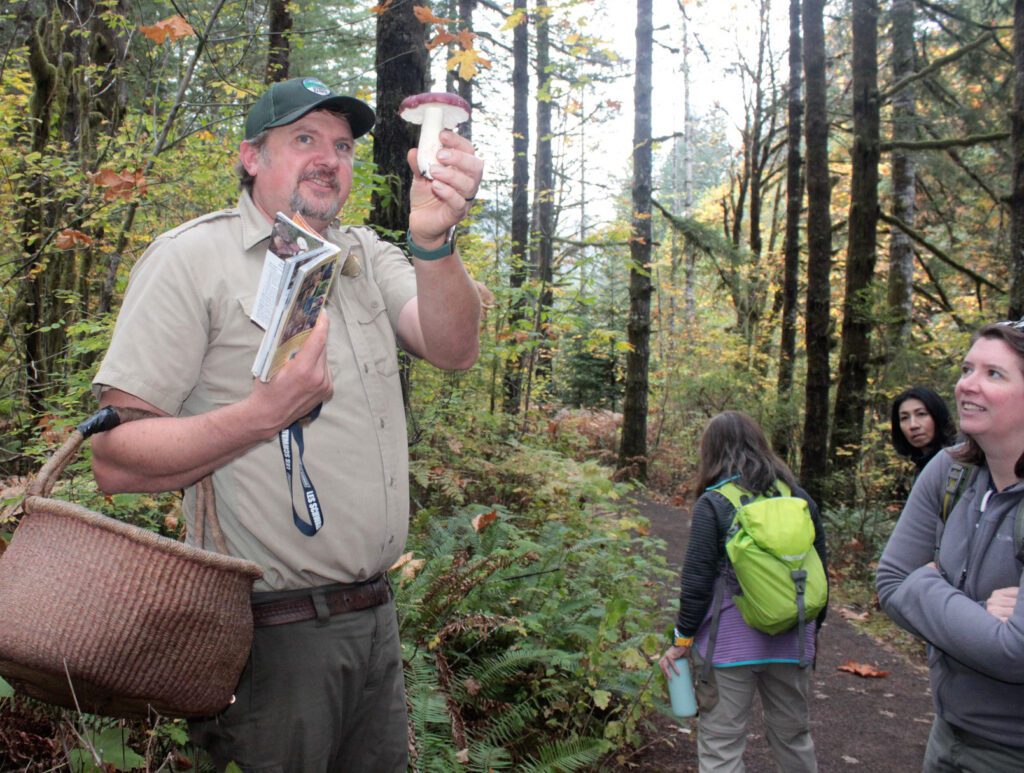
(430, 138)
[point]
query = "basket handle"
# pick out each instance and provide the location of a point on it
(107, 419)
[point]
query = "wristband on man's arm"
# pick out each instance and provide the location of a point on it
(680, 640)
(446, 249)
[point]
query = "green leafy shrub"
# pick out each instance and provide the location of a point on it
(526, 604)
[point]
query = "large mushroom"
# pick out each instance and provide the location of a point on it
(434, 111)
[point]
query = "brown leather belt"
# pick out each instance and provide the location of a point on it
(336, 601)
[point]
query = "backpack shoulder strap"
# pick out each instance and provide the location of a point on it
(733, 493)
(783, 489)
(1018, 530)
(958, 474)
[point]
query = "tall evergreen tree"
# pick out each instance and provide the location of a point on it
(542, 246)
(401, 70)
(1016, 306)
(904, 187)
(279, 13)
(858, 314)
(520, 227)
(633, 449)
(794, 204)
(814, 448)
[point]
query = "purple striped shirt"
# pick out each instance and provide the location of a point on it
(738, 644)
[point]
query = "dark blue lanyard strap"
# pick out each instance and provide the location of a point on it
(316, 516)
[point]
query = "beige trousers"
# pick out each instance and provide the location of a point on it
(722, 731)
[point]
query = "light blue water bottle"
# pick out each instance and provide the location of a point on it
(680, 690)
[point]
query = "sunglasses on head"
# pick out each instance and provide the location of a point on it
(1015, 324)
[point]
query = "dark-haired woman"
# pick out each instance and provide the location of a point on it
(955, 584)
(733, 448)
(921, 425)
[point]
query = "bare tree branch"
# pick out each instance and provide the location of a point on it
(938, 252)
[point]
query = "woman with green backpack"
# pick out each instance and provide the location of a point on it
(739, 581)
(951, 571)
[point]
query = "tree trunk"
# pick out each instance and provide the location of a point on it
(904, 189)
(402, 69)
(542, 232)
(814, 448)
(520, 228)
(761, 130)
(855, 353)
(465, 87)
(76, 54)
(791, 246)
(633, 451)
(1016, 307)
(279, 44)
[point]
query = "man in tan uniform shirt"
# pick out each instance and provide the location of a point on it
(323, 690)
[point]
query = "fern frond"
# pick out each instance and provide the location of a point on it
(497, 671)
(568, 755)
(485, 758)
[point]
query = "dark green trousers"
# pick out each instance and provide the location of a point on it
(948, 753)
(318, 696)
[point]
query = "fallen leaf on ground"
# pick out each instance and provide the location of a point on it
(849, 614)
(862, 669)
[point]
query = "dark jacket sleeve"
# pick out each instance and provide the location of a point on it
(704, 555)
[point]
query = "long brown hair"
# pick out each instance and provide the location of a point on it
(969, 451)
(734, 446)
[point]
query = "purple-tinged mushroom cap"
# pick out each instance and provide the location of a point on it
(435, 111)
(453, 108)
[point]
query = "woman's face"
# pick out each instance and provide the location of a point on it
(990, 394)
(917, 424)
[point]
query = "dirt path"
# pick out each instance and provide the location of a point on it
(878, 725)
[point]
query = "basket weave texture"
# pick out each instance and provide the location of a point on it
(116, 620)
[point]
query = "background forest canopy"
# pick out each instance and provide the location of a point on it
(829, 203)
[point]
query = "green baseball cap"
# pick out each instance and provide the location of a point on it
(287, 101)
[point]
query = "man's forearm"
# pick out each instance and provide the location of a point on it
(167, 453)
(445, 315)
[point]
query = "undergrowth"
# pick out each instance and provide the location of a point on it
(531, 624)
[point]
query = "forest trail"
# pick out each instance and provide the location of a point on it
(876, 725)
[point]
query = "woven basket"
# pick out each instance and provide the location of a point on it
(115, 620)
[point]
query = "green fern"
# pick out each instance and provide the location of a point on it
(507, 665)
(485, 758)
(510, 726)
(429, 721)
(566, 756)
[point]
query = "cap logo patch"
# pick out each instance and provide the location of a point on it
(316, 86)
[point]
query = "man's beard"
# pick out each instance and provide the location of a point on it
(324, 211)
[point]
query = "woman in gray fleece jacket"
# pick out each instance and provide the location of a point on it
(960, 595)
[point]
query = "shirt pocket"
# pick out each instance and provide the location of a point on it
(373, 328)
(226, 375)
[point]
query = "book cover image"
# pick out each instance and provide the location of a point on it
(312, 284)
(288, 239)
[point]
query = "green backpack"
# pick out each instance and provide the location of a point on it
(771, 549)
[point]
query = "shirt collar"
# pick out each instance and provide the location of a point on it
(255, 226)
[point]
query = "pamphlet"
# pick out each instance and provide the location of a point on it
(298, 270)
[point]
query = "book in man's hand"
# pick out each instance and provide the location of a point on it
(298, 271)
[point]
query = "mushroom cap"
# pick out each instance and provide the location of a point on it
(455, 108)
